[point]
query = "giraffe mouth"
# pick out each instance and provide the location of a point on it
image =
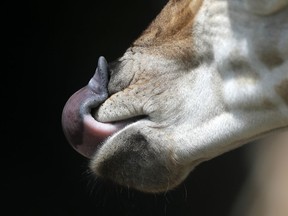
(95, 133)
(81, 129)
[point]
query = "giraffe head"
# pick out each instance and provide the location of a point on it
(186, 91)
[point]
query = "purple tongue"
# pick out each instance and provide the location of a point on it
(82, 131)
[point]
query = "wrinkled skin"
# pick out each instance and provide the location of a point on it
(142, 150)
(171, 101)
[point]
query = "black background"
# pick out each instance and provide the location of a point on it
(51, 50)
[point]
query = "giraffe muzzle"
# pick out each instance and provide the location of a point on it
(82, 131)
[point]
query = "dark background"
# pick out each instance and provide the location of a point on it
(51, 50)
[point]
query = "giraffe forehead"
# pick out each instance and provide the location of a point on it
(282, 90)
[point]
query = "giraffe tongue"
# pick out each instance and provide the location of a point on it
(94, 133)
(82, 131)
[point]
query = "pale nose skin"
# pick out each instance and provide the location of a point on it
(82, 131)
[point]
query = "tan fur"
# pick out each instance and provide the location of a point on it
(199, 82)
(170, 33)
(268, 104)
(282, 90)
(271, 58)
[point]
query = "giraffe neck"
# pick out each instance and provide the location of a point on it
(250, 54)
(247, 76)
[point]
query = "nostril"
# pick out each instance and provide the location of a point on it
(120, 75)
(114, 65)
